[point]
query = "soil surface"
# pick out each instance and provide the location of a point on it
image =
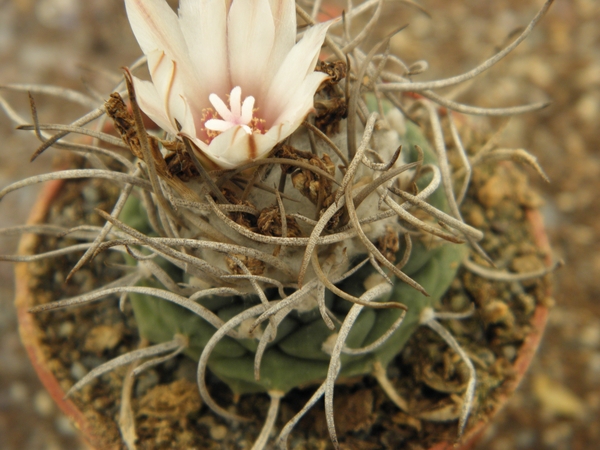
(428, 375)
(48, 41)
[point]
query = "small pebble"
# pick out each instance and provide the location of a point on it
(78, 370)
(459, 303)
(18, 392)
(590, 336)
(103, 337)
(556, 399)
(145, 382)
(66, 329)
(527, 302)
(218, 432)
(90, 194)
(64, 426)
(527, 263)
(43, 404)
(186, 370)
(509, 352)
(493, 191)
(476, 217)
(496, 311)
(557, 435)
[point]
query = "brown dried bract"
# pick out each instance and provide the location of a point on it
(309, 183)
(124, 123)
(269, 223)
(331, 103)
(313, 186)
(389, 244)
(336, 70)
(179, 163)
(255, 266)
(130, 132)
(329, 114)
(241, 218)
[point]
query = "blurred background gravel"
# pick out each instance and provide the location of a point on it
(558, 406)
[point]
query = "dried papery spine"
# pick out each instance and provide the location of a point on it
(315, 261)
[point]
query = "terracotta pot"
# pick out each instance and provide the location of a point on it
(31, 336)
(31, 333)
(525, 353)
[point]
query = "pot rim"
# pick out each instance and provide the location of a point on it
(30, 333)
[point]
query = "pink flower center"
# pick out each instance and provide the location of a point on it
(221, 118)
(238, 114)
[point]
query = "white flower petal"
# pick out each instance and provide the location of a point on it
(156, 27)
(279, 132)
(204, 27)
(152, 105)
(163, 73)
(301, 104)
(235, 101)
(302, 100)
(235, 147)
(299, 62)
(202, 152)
(188, 124)
(284, 18)
(251, 33)
(247, 109)
(217, 125)
(220, 107)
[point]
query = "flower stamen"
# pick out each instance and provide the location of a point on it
(238, 114)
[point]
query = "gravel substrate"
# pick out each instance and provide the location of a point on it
(47, 41)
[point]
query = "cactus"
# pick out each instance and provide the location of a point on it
(313, 261)
(296, 356)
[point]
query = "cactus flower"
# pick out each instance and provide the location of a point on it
(227, 75)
